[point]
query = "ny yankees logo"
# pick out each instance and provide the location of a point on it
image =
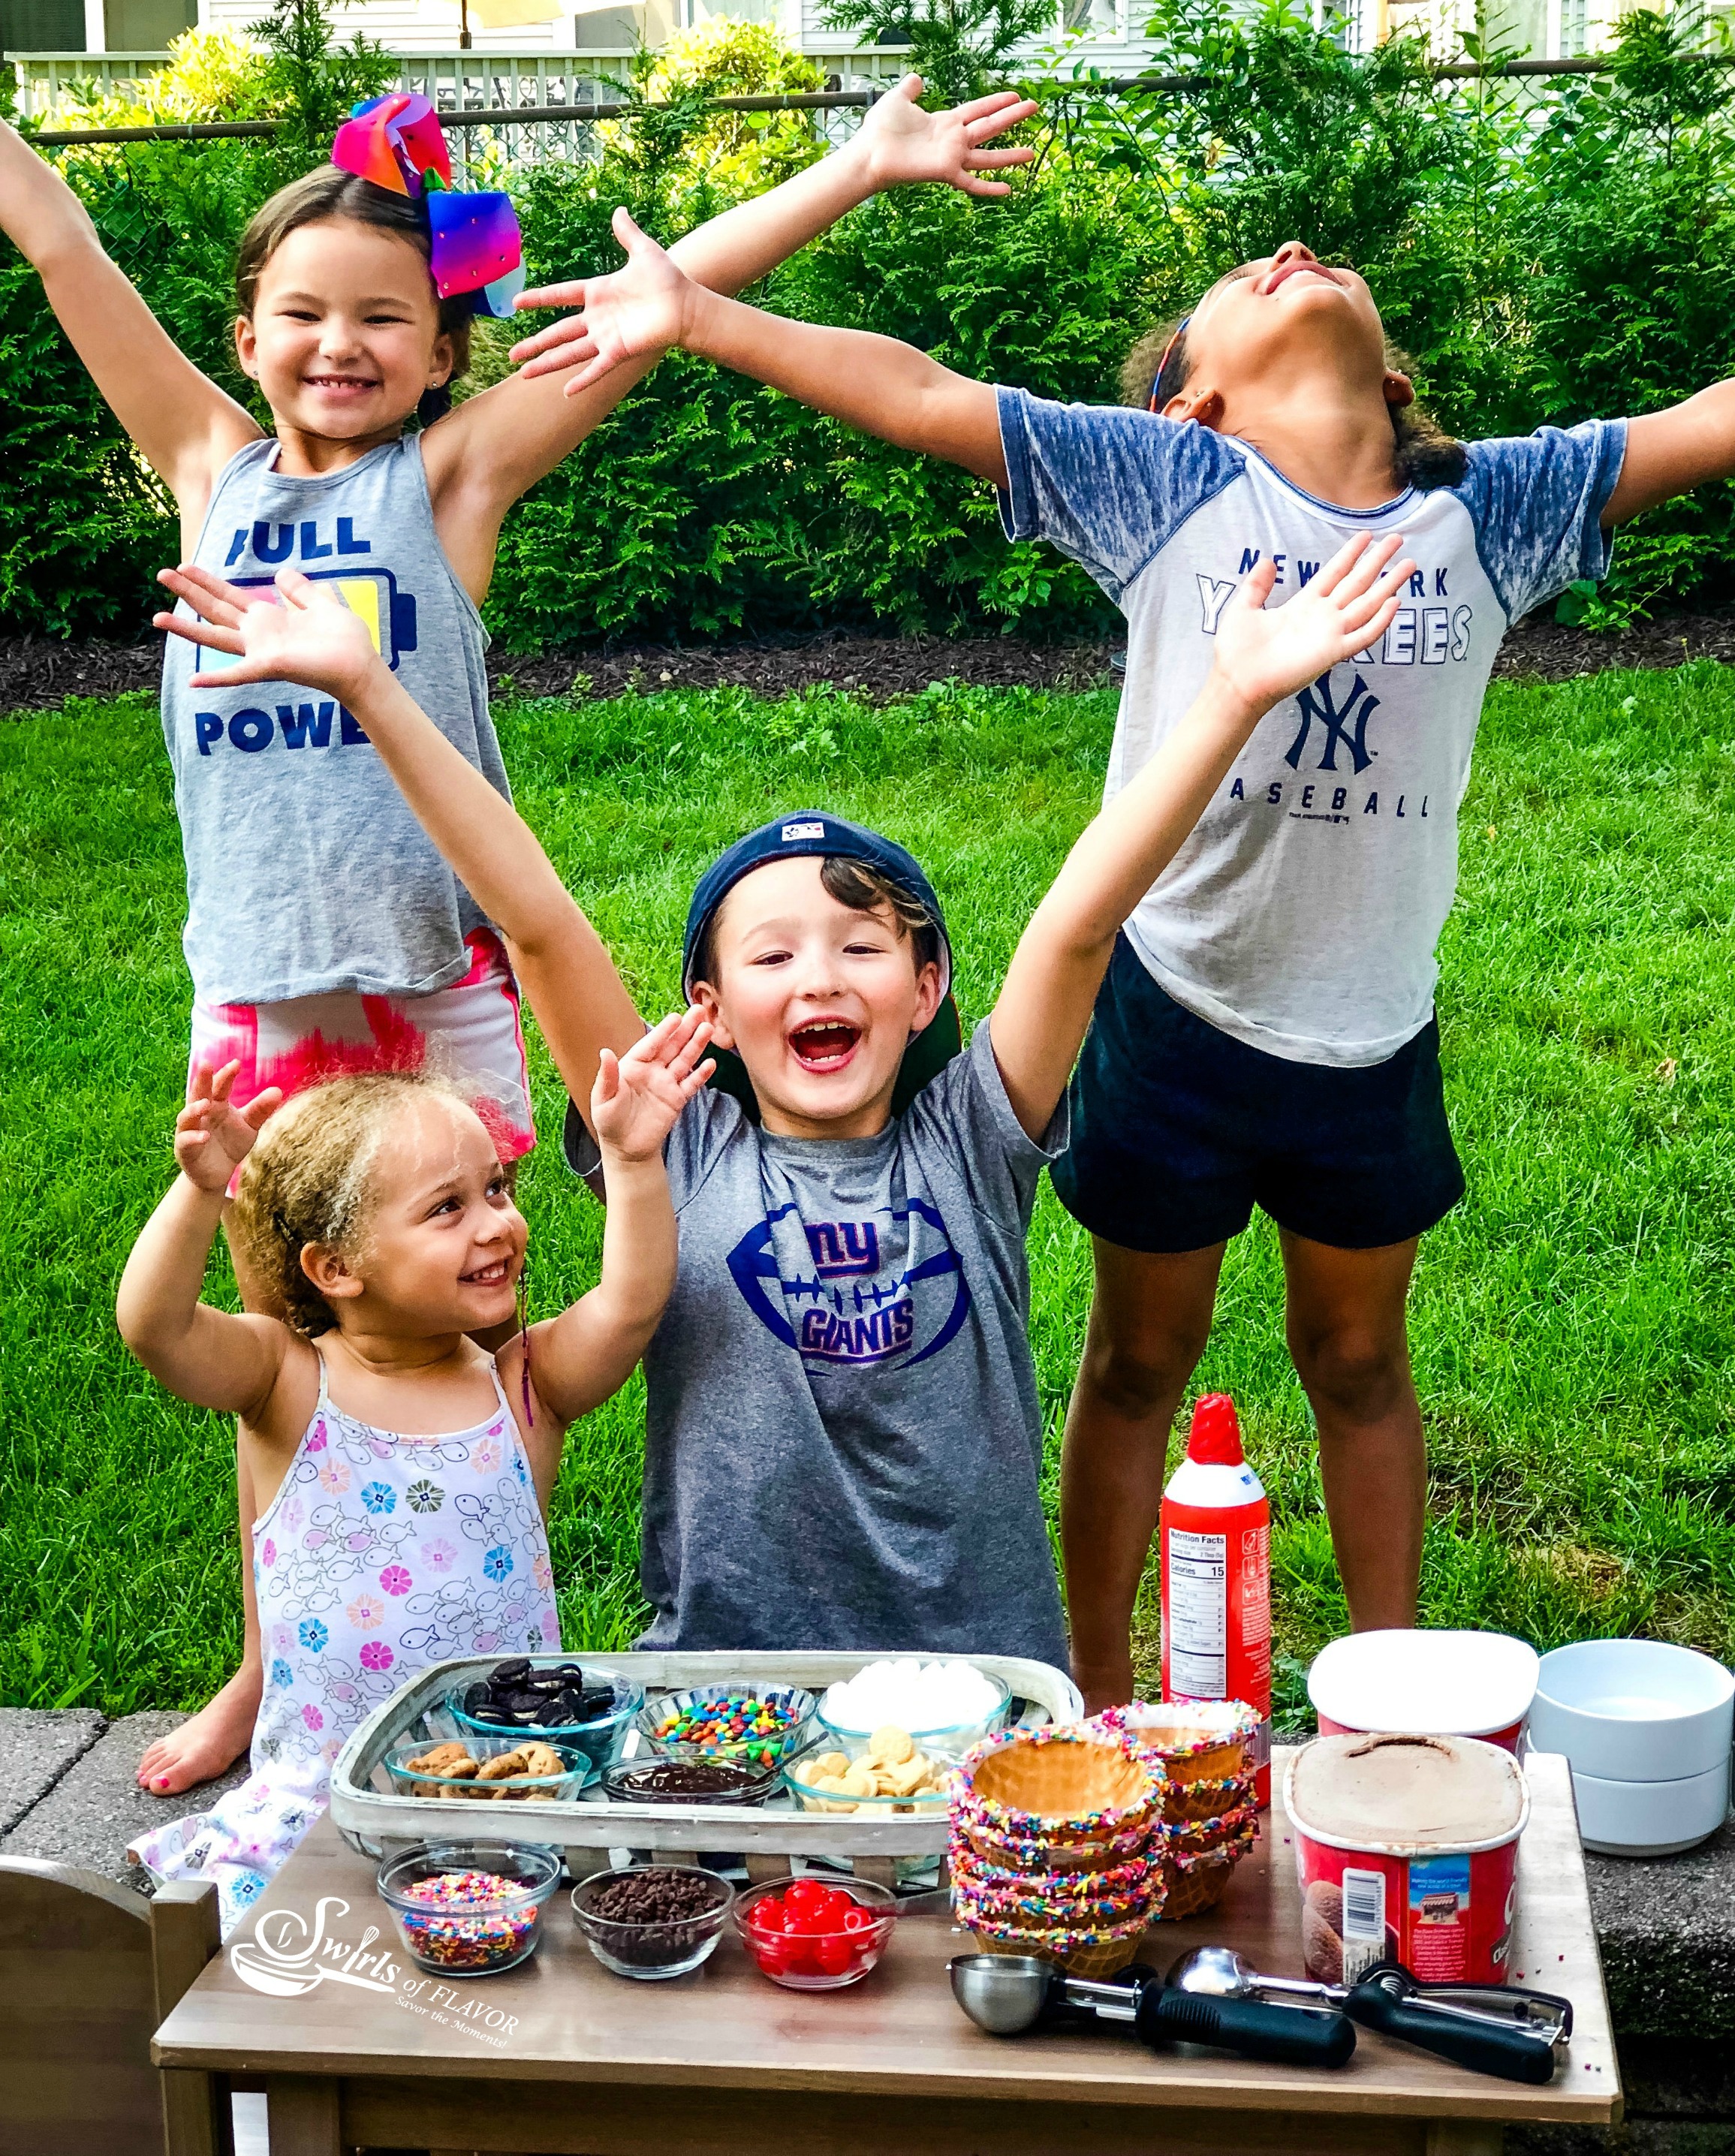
(1348, 724)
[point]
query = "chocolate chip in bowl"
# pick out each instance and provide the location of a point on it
(651, 1921)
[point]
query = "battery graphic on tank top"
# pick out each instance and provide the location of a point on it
(388, 615)
(1198, 1614)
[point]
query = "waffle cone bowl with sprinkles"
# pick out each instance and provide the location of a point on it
(1196, 1740)
(1086, 1953)
(1079, 1785)
(1057, 1846)
(1192, 1884)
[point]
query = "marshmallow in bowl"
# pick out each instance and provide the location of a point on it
(915, 1696)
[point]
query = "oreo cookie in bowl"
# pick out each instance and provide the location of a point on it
(560, 1702)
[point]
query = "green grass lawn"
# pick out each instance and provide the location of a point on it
(1574, 1321)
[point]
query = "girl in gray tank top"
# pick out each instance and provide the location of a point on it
(308, 885)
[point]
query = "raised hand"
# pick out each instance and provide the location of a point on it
(302, 632)
(1266, 653)
(901, 144)
(212, 1137)
(641, 308)
(637, 1096)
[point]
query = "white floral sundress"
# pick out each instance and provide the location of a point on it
(380, 1554)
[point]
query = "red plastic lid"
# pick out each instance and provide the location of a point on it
(1215, 1437)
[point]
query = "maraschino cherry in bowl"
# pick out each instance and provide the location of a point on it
(813, 1934)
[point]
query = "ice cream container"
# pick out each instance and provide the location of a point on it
(1634, 1711)
(1428, 1684)
(1407, 1851)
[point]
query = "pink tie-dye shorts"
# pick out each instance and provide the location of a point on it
(469, 1035)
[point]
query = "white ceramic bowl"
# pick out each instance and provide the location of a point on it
(1634, 1711)
(1650, 1818)
(1426, 1683)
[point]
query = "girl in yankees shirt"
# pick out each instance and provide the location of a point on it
(325, 936)
(1265, 1032)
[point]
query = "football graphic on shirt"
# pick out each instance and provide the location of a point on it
(884, 1288)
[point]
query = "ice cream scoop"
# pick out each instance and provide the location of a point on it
(1008, 1994)
(1492, 2028)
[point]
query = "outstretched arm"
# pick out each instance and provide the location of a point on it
(1262, 657)
(207, 1356)
(498, 444)
(574, 987)
(873, 382)
(185, 427)
(1670, 453)
(588, 1352)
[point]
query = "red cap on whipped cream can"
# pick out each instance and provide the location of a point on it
(1407, 1851)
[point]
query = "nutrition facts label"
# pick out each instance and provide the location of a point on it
(1197, 1614)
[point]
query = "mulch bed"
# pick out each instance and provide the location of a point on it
(37, 672)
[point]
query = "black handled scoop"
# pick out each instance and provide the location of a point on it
(1389, 1998)
(1006, 1993)
(1516, 2035)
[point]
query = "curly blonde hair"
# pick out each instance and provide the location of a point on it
(309, 1180)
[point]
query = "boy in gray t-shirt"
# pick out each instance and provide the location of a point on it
(843, 1436)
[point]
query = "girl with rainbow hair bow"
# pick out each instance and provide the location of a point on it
(325, 935)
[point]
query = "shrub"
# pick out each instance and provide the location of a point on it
(1543, 255)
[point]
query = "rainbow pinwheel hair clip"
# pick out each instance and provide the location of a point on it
(397, 142)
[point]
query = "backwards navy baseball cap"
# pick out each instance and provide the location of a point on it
(804, 831)
(812, 831)
(809, 831)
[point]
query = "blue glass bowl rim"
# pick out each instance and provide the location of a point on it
(585, 1769)
(662, 1700)
(560, 1733)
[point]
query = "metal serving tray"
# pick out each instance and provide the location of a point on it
(373, 1821)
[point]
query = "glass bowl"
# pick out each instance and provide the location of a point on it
(657, 1948)
(576, 1769)
(957, 1739)
(488, 1931)
(826, 1955)
(764, 1751)
(600, 1741)
(929, 1804)
(622, 1785)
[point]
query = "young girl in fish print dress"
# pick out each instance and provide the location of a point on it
(325, 935)
(404, 1472)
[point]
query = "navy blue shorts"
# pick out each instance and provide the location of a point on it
(1178, 1131)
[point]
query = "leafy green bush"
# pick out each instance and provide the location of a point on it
(1544, 253)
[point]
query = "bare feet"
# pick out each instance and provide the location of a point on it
(208, 1741)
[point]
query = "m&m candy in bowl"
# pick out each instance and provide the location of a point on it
(470, 1908)
(810, 1933)
(757, 1724)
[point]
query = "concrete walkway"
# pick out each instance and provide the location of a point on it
(68, 1790)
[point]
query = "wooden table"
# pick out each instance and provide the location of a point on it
(581, 2063)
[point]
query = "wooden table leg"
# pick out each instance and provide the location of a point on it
(1463, 2137)
(184, 1936)
(302, 2116)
